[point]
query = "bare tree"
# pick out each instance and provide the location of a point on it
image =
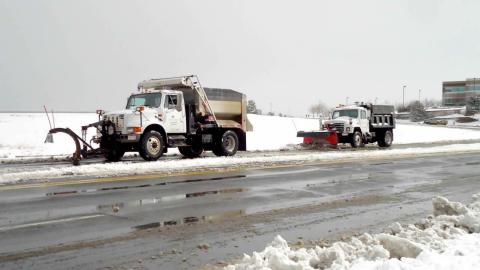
(417, 111)
(432, 102)
(319, 109)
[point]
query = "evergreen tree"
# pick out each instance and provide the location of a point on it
(252, 107)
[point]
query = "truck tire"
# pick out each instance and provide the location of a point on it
(151, 145)
(190, 151)
(227, 144)
(385, 139)
(357, 140)
(114, 154)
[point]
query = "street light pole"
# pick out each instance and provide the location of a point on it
(419, 93)
(404, 96)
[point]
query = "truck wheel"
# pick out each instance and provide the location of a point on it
(190, 151)
(357, 140)
(151, 145)
(114, 154)
(386, 139)
(227, 144)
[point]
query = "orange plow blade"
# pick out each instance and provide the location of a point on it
(319, 137)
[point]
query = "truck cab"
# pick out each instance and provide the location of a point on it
(167, 108)
(349, 119)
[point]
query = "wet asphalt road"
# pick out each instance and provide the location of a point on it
(193, 221)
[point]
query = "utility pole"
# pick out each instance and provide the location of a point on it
(404, 96)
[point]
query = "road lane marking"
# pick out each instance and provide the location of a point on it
(22, 226)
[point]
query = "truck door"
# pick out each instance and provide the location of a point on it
(364, 123)
(174, 119)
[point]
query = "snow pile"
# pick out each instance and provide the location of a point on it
(448, 240)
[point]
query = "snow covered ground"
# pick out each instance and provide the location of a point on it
(23, 134)
(450, 239)
(15, 174)
(408, 134)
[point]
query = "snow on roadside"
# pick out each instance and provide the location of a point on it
(408, 134)
(26, 133)
(169, 166)
(450, 239)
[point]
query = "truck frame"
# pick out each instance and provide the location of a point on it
(358, 125)
(167, 113)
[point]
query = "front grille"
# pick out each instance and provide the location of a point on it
(339, 127)
(117, 120)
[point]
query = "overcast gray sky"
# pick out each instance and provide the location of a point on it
(84, 55)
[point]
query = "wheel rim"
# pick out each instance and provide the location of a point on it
(153, 145)
(388, 138)
(229, 143)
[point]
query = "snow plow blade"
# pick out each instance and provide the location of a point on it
(319, 137)
(76, 155)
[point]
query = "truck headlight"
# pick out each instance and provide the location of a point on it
(134, 130)
(348, 129)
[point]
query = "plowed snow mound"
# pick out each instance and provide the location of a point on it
(449, 239)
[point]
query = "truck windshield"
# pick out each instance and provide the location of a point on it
(148, 100)
(347, 113)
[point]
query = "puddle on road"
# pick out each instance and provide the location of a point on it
(190, 220)
(116, 207)
(472, 163)
(381, 163)
(69, 192)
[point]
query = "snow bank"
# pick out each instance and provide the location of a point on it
(448, 240)
(169, 166)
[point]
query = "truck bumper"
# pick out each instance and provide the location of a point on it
(129, 138)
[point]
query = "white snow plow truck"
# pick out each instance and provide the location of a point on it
(357, 124)
(166, 113)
